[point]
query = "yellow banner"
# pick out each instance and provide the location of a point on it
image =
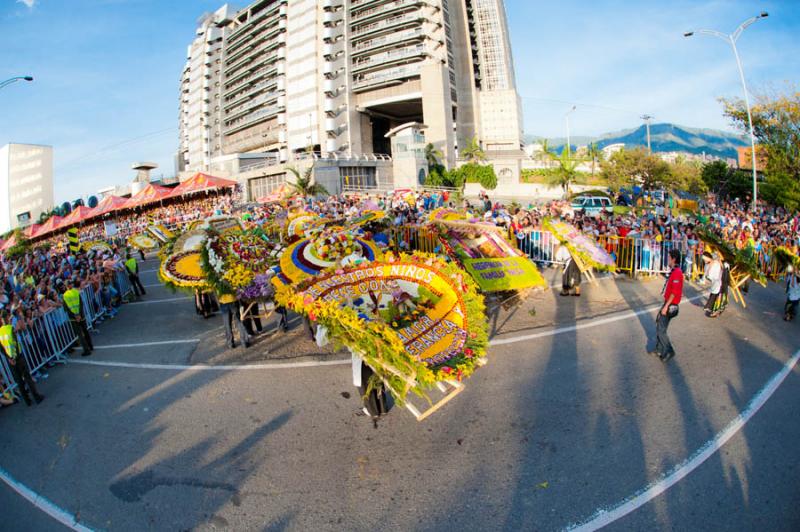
(431, 321)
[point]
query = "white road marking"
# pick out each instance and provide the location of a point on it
(586, 325)
(43, 504)
(604, 517)
(146, 344)
(208, 367)
(147, 271)
(147, 302)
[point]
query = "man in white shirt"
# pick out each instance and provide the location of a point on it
(713, 274)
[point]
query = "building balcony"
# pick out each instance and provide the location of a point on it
(241, 96)
(370, 81)
(386, 25)
(387, 40)
(368, 14)
(374, 61)
(253, 118)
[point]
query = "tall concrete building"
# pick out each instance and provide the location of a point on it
(286, 81)
(26, 184)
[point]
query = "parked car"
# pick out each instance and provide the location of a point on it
(592, 205)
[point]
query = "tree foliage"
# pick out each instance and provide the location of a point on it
(476, 173)
(473, 151)
(776, 125)
(566, 173)
(304, 184)
(627, 168)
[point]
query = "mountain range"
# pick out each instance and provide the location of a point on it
(663, 138)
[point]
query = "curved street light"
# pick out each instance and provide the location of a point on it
(731, 39)
(9, 81)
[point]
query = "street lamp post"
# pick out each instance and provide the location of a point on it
(731, 39)
(647, 119)
(566, 117)
(9, 81)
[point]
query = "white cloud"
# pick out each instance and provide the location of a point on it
(29, 3)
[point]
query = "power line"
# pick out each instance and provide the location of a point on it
(131, 140)
(580, 104)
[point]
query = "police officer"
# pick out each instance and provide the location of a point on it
(19, 366)
(133, 275)
(72, 304)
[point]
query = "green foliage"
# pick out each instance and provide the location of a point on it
(439, 176)
(433, 156)
(687, 175)
(304, 184)
(727, 182)
(595, 155)
(473, 152)
(566, 173)
(477, 173)
(776, 124)
(781, 189)
(627, 168)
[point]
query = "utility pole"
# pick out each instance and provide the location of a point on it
(647, 119)
(566, 117)
(731, 39)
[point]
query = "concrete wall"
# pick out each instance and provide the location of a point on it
(522, 192)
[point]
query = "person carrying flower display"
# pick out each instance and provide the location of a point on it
(229, 308)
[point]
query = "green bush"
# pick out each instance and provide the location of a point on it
(477, 173)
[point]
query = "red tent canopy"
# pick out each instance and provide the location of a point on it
(78, 214)
(108, 204)
(200, 182)
(9, 243)
(278, 194)
(31, 230)
(148, 194)
(50, 225)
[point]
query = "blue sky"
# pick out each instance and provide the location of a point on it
(107, 71)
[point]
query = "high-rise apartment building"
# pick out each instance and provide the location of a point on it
(283, 78)
(26, 184)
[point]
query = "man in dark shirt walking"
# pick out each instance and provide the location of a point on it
(673, 291)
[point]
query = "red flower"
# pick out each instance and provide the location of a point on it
(446, 369)
(468, 352)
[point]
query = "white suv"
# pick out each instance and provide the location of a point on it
(593, 205)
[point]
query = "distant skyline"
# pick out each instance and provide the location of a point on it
(107, 72)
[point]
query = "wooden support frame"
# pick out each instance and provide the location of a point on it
(584, 268)
(455, 388)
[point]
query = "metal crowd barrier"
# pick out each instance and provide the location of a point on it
(45, 341)
(540, 246)
(51, 334)
(412, 238)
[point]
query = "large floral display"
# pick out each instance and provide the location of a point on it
(143, 242)
(236, 258)
(181, 265)
(492, 262)
(580, 245)
(415, 319)
(311, 256)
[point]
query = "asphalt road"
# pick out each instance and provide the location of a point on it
(563, 422)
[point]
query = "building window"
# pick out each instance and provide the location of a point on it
(262, 186)
(357, 177)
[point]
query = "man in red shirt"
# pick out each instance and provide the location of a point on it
(673, 290)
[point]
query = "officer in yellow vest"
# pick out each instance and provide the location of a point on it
(229, 308)
(72, 304)
(133, 275)
(19, 367)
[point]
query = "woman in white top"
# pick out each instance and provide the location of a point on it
(713, 274)
(792, 294)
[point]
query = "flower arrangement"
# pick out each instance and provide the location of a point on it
(182, 270)
(581, 246)
(378, 338)
(143, 242)
(234, 258)
(332, 245)
(261, 288)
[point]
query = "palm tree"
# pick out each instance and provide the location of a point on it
(305, 185)
(567, 172)
(545, 156)
(432, 156)
(595, 154)
(473, 152)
